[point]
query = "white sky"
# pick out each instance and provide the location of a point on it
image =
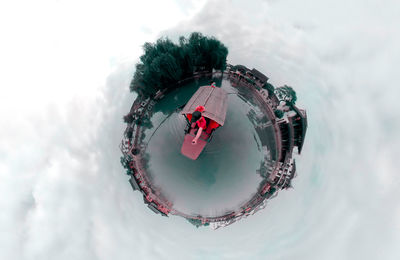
(65, 68)
(79, 42)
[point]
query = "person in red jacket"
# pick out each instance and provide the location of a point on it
(198, 121)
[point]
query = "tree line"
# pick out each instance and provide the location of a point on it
(164, 62)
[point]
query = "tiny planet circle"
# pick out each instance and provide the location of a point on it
(244, 161)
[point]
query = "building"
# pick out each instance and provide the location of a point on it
(300, 127)
(259, 76)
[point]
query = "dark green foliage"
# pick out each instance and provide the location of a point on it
(164, 63)
(242, 69)
(269, 87)
(144, 122)
(208, 52)
(271, 192)
(249, 80)
(129, 134)
(279, 113)
(195, 222)
(128, 118)
(124, 162)
(286, 93)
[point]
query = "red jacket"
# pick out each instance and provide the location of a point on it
(201, 123)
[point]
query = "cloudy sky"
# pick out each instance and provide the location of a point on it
(65, 71)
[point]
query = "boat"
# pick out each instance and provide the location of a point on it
(214, 105)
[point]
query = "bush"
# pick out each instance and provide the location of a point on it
(286, 93)
(128, 118)
(279, 113)
(129, 134)
(249, 80)
(269, 87)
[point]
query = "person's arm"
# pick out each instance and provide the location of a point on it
(194, 141)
